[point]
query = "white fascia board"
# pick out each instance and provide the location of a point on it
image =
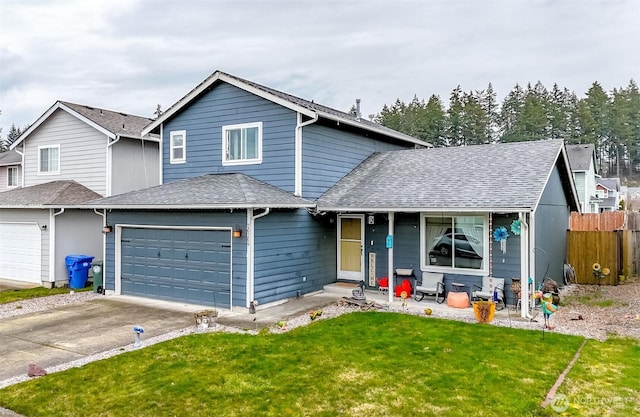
(188, 207)
(219, 76)
(423, 209)
(149, 138)
(562, 153)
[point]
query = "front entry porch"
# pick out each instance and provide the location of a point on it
(344, 289)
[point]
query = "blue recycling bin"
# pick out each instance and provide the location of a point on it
(78, 267)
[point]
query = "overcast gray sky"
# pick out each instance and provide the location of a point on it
(130, 55)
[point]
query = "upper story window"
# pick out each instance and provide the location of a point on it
(602, 193)
(242, 144)
(49, 159)
(12, 177)
(178, 146)
(454, 243)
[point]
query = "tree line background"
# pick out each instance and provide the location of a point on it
(608, 120)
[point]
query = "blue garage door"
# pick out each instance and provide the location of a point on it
(192, 266)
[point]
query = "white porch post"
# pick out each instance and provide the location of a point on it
(524, 266)
(390, 258)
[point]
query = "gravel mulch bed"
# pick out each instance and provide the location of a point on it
(34, 305)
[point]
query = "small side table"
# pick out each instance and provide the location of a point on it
(458, 287)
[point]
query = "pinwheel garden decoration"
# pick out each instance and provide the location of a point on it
(516, 226)
(500, 234)
(138, 330)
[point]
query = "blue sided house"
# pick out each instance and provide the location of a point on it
(266, 196)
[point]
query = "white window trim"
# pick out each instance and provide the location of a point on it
(449, 269)
(182, 160)
(17, 184)
(59, 160)
(225, 144)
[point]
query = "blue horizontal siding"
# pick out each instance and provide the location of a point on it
(329, 154)
(225, 105)
(551, 225)
(290, 245)
(407, 250)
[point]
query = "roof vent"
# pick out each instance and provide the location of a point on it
(358, 114)
(123, 126)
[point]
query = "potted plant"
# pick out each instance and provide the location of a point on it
(484, 311)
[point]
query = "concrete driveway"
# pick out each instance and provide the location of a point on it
(60, 335)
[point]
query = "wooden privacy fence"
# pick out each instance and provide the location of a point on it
(613, 250)
(606, 222)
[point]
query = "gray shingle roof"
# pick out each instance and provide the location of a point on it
(610, 183)
(211, 191)
(580, 156)
(10, 158)
(54, 193)
(482, 177)
(121, 124)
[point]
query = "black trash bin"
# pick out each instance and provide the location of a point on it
(78, 267)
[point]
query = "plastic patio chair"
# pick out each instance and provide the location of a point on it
(432, 284)
(493, 290)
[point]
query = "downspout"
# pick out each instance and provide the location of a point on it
(52, 244)
(109, 163)
(298, 152)
(390, 256)
(21, 167)
(104, 245)
(524, 266)
(251, 218)
(160, 154)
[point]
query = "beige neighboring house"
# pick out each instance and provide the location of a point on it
(10, 170)
(582, 159)
(72, 154)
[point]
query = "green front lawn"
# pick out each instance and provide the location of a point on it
(10, 296)
(360, 364)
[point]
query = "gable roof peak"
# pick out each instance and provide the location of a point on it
(110, 122)
(306, 107)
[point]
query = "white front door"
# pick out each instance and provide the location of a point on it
(350, 250)
(20, 255)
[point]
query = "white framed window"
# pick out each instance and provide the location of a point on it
(49, 159)
(12, 176)
(178, 146)
(454, 243)
(242, 144)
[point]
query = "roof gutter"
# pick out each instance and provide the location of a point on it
(298, 151)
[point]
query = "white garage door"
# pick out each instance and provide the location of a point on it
(20, 254)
